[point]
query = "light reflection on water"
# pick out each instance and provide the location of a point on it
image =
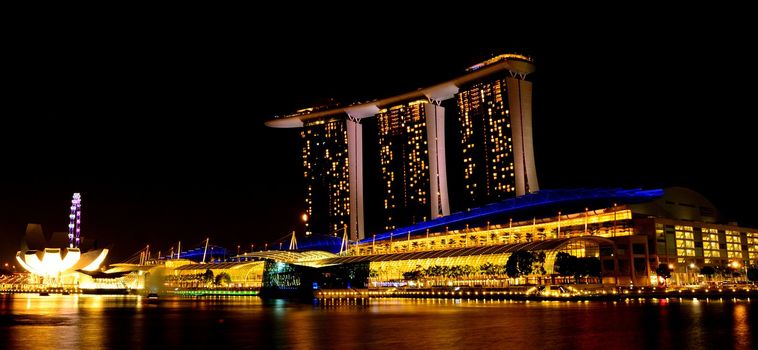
(88, 321)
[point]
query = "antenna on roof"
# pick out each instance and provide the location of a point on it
(344, 244)
(293, 242)
(206, 248)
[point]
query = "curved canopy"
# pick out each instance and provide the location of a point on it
(531, 202)
(546, 245)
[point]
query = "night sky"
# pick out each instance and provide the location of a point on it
(161, 128)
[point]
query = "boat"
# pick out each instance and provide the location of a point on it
(152, 298)
(43, 294)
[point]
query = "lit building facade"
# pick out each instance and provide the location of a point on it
(686, 232)
(403, 155)
(676, 227)
(326, 173)
(495, 136)
(412, 148)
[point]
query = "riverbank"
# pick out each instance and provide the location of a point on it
(328, 296)
(362, 295)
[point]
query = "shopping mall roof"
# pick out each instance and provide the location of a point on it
(289, 256)
(216, 266)
(546, 245)
(531, 202)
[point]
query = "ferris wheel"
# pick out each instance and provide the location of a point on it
(75, 221)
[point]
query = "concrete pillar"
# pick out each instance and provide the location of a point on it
(520, 109)
(435, 133)
(355, 174)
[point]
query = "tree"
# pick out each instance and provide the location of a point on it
(565, 264)
(413, 275)
(468, 270)
(488, 269)
(208, 276)
(520, 263)
(663, 271)
(525, 262)
(752, 274)
(590, 267)
(538, 265)
(454, 272)
(708, 271)
(723, 270)
(511, 266)
(223, 279)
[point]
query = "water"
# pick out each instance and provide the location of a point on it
(98, 322)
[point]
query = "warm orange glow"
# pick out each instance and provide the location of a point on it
(305, 217)
(95, 264)
(53, 264)
(735, 264)
(515, 232)
(671, 266)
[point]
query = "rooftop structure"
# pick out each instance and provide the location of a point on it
(494, 113)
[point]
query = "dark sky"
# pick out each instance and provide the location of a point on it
(161, 126)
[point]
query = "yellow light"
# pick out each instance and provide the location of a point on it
(671, 266)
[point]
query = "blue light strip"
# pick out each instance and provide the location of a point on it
(530, 201)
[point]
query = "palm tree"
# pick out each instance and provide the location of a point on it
(565, 264)
(708, 271)
(223, 278)
(207, 277)
(486, 269)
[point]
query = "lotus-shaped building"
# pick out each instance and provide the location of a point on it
(51, 259)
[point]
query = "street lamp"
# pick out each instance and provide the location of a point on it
(304, 217)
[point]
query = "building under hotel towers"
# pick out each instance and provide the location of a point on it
(631, 232)
(627, 232)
